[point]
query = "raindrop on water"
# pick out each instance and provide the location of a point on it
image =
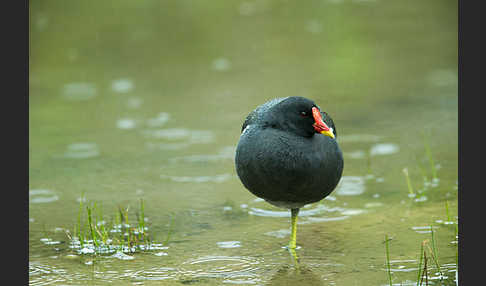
(281, 233)
(79, 91)
(228, 244)
(123, 85)
(159, 120)
(221, 64)
(125, 123)
(82, 150)
(134, 102)
(38, 196)
(122, 256)
(314, 26)
(384, 149)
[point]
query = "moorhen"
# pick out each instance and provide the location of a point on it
(287, 155)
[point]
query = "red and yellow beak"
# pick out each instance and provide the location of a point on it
(319, 124)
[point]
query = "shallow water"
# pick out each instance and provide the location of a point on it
(145, 100)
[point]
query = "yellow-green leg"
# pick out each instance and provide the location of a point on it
(293, 234)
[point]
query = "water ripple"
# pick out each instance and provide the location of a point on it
(79, 91)
(319, 209)
(350, 186)
(82, 150)
(199, 179)
(177, 138)
(228, 244)
(125, 123)
(384, 149)
(159, 120)
(221, 64)
(233, 269)
(156, 273)
(226, 153)
(122, 85)
(38, 196)
(44, 275)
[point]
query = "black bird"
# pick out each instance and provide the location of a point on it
(288, 155)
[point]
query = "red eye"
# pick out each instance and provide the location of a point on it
(303, 114)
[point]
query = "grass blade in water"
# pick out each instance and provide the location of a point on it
(435, 256)
(420, 262)
(387, 253)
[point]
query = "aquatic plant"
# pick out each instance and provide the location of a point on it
(456, 231)
(434, 251)
(420, 262)
(387, 255)
(429, 172)
(449, 219)
(419, 195)
(423, 272)
(409, 183)
(94, 235)
(428, 254)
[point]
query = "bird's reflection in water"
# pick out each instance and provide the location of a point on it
(292, 275)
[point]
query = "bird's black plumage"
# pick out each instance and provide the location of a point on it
(282, 159)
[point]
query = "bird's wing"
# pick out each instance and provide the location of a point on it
(257, 113)
(249, 119)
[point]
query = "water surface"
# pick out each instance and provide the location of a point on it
(145, 100)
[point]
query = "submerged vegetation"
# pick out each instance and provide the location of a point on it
(428, 267)
(387, 255)
(428, 261)
(432, 165)
(429, 174)
(409, 183)
(428, 257)
(92, 234)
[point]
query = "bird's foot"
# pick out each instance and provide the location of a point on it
(294, 256)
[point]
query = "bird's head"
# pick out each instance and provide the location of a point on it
(301, 116)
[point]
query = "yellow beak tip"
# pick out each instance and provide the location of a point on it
(328, 133)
